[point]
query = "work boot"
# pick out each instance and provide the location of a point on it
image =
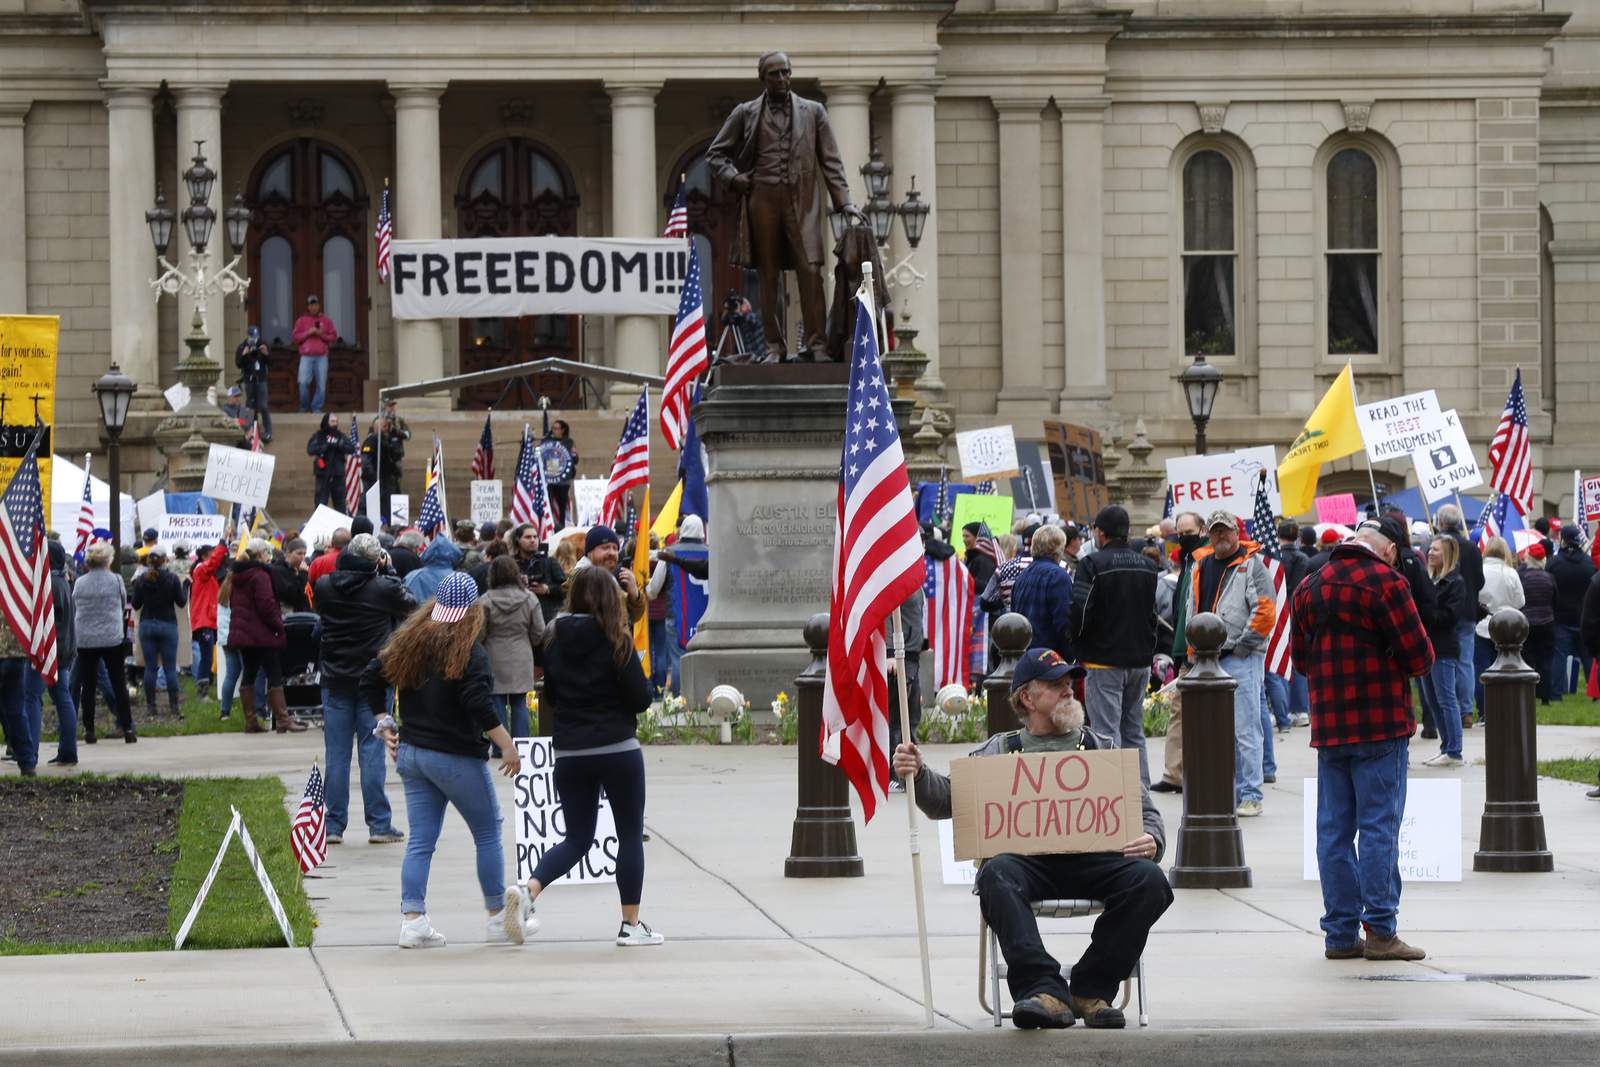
(1097, 1014)
(1391, 948)
(1349, 952)
(1041, 1012)
(282, 721)
(173, 699)
(149, 706)
(247, 701)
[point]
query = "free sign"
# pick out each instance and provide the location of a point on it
(1224, 480)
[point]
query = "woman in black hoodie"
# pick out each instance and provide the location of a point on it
(596, 689)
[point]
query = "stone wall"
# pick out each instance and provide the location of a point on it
(969, 252)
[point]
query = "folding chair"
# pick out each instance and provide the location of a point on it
(992, 968)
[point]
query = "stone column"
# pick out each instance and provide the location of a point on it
(913, 157)
(1083, 263)
(13, 209)
(850, 115)
(1021, 260)
(200, 119)
(635, 212)
(418, 343)
(132, 163)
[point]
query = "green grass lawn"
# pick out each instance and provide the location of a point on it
(1574, 709)
(199, 716)
(235, 913)
(1573, 770)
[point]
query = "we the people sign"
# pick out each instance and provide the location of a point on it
(1042, 802)
(541, 825)
(1224, 480)
(238, 475)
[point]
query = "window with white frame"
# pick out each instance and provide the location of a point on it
(1354, 267)
(1210, 255)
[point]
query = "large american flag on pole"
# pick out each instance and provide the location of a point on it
(528, 483)
(631, 467)
(352, 472)
(25, 565)
(483, 455)
(308, 830)
(85, 531)
(949, 619)
(1511, 451)
(1261, 526)
(687, 355)
(877, 564)
(384, 235)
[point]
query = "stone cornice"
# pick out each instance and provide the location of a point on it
(314, 9)
(1355, 25)
(71, 25)
(1106, 23)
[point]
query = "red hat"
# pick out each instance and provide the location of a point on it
(1330, 537)
(1536, 550)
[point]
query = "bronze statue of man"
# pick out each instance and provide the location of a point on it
(778, 153)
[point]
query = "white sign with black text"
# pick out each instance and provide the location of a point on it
(1430, 831)
(541, 824)
(1399, 426)
(1448, 466)
(239, 475)
(192, 530)
(987, 453)
(486, 500)
(1224, 480)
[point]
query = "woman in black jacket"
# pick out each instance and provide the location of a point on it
(443, 692)
(1450, 588)
(596, 689)
(157, 594)
(1541, 599)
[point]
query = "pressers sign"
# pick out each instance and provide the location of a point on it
(514, 276)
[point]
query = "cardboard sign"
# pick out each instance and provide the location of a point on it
(486, 501)
(1430, 831)
(1224, 480)
(1034, 487)
(321, 525)
(1077, 461)
(987, 453)
(399, 509)
(239, 475)
(1448, 466)
(177, 396)
(981, 507)
(1340, 508)
(1045, 802)
(1395, 428)
(1591, 498)
(192, 530)
(541, 824)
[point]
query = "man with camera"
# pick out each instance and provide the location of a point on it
(251, 357)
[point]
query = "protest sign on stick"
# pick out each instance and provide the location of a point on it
(1448, 465)
(239, 475)
(541, 824)
(1224, 480)
(192, 530)
(321, 525)
(981, 507)
(1045, 802)
(987, 453)
(1399, 426)
(486, 500)
(1338, 508)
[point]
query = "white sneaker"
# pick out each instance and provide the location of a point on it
(635, 935)
(1442, 760)
(1248, 809)
(419, 933)
(516, 922)
(1300, 718)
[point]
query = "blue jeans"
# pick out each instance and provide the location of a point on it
(313, 368)
(658, 653)
(1247, 725)
(513, 708)
(1466, 678)
(1278, 699)
(22, 729)
(1360, 788)
(1482, 656)
(203, 641)
(433, 780)
(674, 658)
(232, 671)
(1570, 677)
(1269, 745)
(1299, 695)
(346, 718)
(66, 712)
(1439, 684)
(158, 639)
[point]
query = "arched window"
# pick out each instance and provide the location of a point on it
(1547, 312)
(1358, 180)
(1210, 255)
(308, 235)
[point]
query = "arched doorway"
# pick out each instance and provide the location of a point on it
(308, 234)
(714, 223)
(517, 188)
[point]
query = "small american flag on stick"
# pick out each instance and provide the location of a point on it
(678, 217)
(85, 531)
(687, 356)
(1261, 526)
(308, 830)
(483, 456)
(352, 472)
(384, 235)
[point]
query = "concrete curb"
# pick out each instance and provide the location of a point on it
(1552, 1046)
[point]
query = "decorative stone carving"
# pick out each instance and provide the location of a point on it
(1212, 115)
(1356, 115)
(306, 111)
(516, 111)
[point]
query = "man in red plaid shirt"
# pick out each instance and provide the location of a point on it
(1360, 641)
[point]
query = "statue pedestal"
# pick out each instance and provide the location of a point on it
(772, 437)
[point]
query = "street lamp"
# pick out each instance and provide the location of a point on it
(1200, 381)
(881, 211)
(198, 219)
(114, 390)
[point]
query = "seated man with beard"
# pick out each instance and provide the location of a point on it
(1130, 883)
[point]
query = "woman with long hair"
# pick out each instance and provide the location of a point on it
(157, 596)
(513, 626)
(443, 690)
(255, 628)
(1450, 589)
(595, 689)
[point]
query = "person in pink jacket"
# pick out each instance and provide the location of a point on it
(313, 332)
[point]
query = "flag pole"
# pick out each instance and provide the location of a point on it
(911, 816)
(1355, 400)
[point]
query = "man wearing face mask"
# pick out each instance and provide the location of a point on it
(1360, 639)
(251, 357)
(1187, 526)
(1130, 882)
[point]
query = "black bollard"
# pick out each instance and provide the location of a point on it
(824, 841)
(1012, 633)
(1511, 836)
(1210, 852)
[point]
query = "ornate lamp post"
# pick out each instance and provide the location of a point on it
(114, 390)
(1200, 381)
(198, 423)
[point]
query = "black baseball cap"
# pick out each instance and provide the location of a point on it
(1043, 665)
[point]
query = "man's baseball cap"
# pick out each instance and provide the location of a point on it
(1394, 530)
(1222, 517)
(312, 299)
(1043, 665)
(1376, 526)
(1571, 533)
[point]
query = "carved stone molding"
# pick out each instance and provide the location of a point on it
(1212, 114)
(517, 111)
(1356, 114)
(306, 111)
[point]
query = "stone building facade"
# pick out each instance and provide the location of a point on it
(1283, 185)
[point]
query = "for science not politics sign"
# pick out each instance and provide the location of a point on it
(1041, 802)
(541, 824)
(514, 276)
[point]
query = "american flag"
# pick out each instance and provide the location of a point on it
(433, 480)
(431, 515)
(352, 472)
(1580, 510)
(25, 566)
(877, 564)
(949, 619)
(254, 439)
(483, 455)
(1493, 521)
(308, 830)
(1511, 452)
(631, 467)
(86, 517)
(984, 541)
(985, 488)
(678, 217)
(1166, 509)
(687, 356)
(384, 235)
(1261, 527)
(527, 479)
(942, 497)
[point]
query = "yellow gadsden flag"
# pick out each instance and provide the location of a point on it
(1330, 432)
(641, 574)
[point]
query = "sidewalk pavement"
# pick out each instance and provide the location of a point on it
(759, 968)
